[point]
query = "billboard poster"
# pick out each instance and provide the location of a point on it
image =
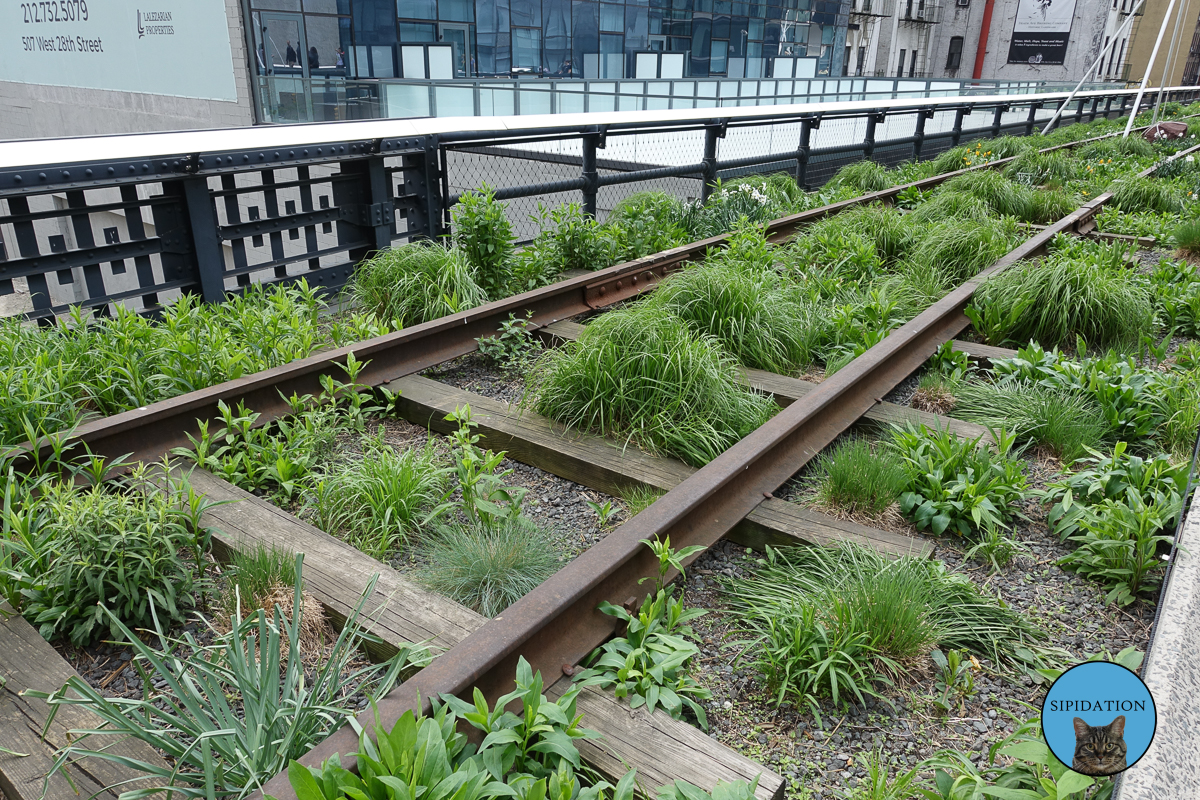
(178, 48)
(1041, 32)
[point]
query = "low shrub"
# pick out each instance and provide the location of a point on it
(416, 283)
(484, 235)
(1068, 423)
(857, 478)
(958, 485)
(82, 563)
(488, 569)
(645, 375)
(1077, 292)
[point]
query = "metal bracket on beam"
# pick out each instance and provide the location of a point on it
(368, 215)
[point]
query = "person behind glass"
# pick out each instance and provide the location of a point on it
(291, 55)
(340, 53)
(314, 61)
(565, 70)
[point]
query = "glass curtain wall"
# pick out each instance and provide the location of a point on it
(552, 38)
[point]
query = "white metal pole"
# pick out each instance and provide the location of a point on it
(1170, 63)
(1092, 68)
(1162, 29)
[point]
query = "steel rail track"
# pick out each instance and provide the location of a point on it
(557, 625)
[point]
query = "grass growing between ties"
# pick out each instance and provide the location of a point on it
(859, 479)
(840, 621)
(1066, 423)
(488, 569)
(644, 375)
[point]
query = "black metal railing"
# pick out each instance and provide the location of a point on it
(278, 204)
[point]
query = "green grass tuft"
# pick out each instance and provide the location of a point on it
(958, 250)
(255, 574)
(857, 479)
(1066, 423)
(489, 570)
(1187, 237)
(953, 206)
(1082, 291)
(643, 374)
(1000, 194)
(416, 283)
(1134, 194)
(865, 176)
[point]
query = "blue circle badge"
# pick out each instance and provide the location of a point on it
(1098, 718)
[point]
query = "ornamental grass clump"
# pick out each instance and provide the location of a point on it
(953, 206)
(488, 568)
(1067, 423)
(860, 479)
(1034, 168)
(838, 621)
(758, 322)
(1133, 194)
(1080, 291)
(416, 283)
(1187, 237)
(1001, 195)
(646, 376)
(865, 176)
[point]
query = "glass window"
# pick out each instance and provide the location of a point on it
(637, 28)
(525, 13)
(720, 27)
(417, 32)
(492, 16)
(612, 17)
(416, 9)
(585, 31)
(327, 37)
(374, 22)
(556, 34)
(954, 57)
(456, 10)
(701, 46)
(756, 29)
(612, 43)
(278, 5)
(327, 6)
(527, 47)
(719, 51)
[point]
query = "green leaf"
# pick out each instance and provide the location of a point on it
(303, 783)
(1072, 782)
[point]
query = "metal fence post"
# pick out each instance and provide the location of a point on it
(998, 119)
(591, 178)
(1033, 109)
(365, 206)
(1108, 107)
(1092, 110)
(873, 119)
(919, 135)
(206, 239)
(1124, 101)
(956, 131)
(709, 171)
(807, 125)
(1079, 111)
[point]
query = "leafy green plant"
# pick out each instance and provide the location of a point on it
(488, 568)
(416, 283)
(486, 499)
(80, 563)
(578, 240)
(648, 665)
(856, 478)
(996, 548)
(484, 235)
(645, 375)
(233, 712)
(604, 512)
(683, 790)
(955, 679)
(957, 485)
(514, 347)
(1118, 543)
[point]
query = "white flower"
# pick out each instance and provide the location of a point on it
(1191, 158)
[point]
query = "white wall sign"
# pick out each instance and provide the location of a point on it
(169, 47)
(1041, 32)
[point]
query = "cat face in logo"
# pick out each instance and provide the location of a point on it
(1099, 749)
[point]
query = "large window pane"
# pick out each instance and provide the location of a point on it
(585, 36)
(327, 6)
(416, 9)
(456, 10)
(556, 16)
(277, 5)
(527, 47)
(417, 32)
(326, 36)
(374, 22)
(612, 17)
(637, 30)
(719, 49)
(611, 43)
(525, 13)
